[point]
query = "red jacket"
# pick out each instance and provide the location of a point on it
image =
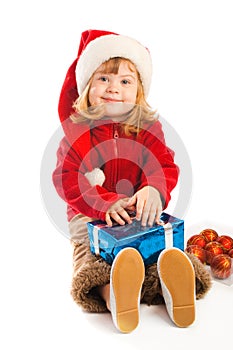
(128, 162)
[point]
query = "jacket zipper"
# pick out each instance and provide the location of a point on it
(115, 137)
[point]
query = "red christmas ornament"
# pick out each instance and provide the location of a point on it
(212, 249)
(209, 235)
(221, 266)
(197, 240)
(226, 241)
(230, 253)
(197, 251)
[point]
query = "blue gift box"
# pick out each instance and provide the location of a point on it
(149, 241)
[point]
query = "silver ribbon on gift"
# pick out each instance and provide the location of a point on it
(96, 240)
(168, 231)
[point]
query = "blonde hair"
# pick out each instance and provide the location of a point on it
(139, 114)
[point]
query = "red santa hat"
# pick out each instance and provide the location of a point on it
(96, 47)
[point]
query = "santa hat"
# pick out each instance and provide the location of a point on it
(96, 47)
(100, 47)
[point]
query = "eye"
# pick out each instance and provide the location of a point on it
(125, 82)
(103, 78)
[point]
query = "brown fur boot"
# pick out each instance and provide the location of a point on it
(88, 272)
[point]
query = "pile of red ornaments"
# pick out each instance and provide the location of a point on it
(212, 249)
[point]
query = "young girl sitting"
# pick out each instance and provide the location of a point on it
(112, 161)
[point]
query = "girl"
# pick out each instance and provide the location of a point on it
(112, 161)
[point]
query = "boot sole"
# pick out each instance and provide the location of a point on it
(127, 276)
(177, 278)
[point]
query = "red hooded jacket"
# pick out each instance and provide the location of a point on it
(128, 162)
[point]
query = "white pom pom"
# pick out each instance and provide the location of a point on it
(95, 177)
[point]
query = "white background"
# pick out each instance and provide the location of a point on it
(191, 46)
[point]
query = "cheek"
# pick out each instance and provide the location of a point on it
(92, 95)
(132, 96)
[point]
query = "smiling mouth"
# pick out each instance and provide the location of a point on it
(111, 100)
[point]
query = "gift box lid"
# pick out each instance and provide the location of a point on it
(113, 236)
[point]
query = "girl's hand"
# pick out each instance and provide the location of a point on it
(148, 205)
(118, 212)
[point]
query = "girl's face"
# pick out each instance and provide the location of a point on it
(110, 88)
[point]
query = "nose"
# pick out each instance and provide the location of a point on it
(113, 86)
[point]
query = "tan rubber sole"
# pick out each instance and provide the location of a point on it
(127, 278)
(178, 276)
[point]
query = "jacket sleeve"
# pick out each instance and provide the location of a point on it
(159, 168)
(74, 188)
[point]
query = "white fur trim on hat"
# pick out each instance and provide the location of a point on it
(109, 46)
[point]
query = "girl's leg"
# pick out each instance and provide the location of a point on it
(89, 271)
(104, 292)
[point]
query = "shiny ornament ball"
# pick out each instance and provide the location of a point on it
(230, 253)
(221, 266)
(197, 240)
(197, 251)
(212, 249)
(226, 241)
(209, 234)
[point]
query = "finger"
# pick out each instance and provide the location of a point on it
(151, 218)
(149, 213)
(115, 216)
(108, 220)
(145, 215)
(132, 201)
(153, 212)
(139, 209)
(131, 208)
(125, 216)
(158, 215)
